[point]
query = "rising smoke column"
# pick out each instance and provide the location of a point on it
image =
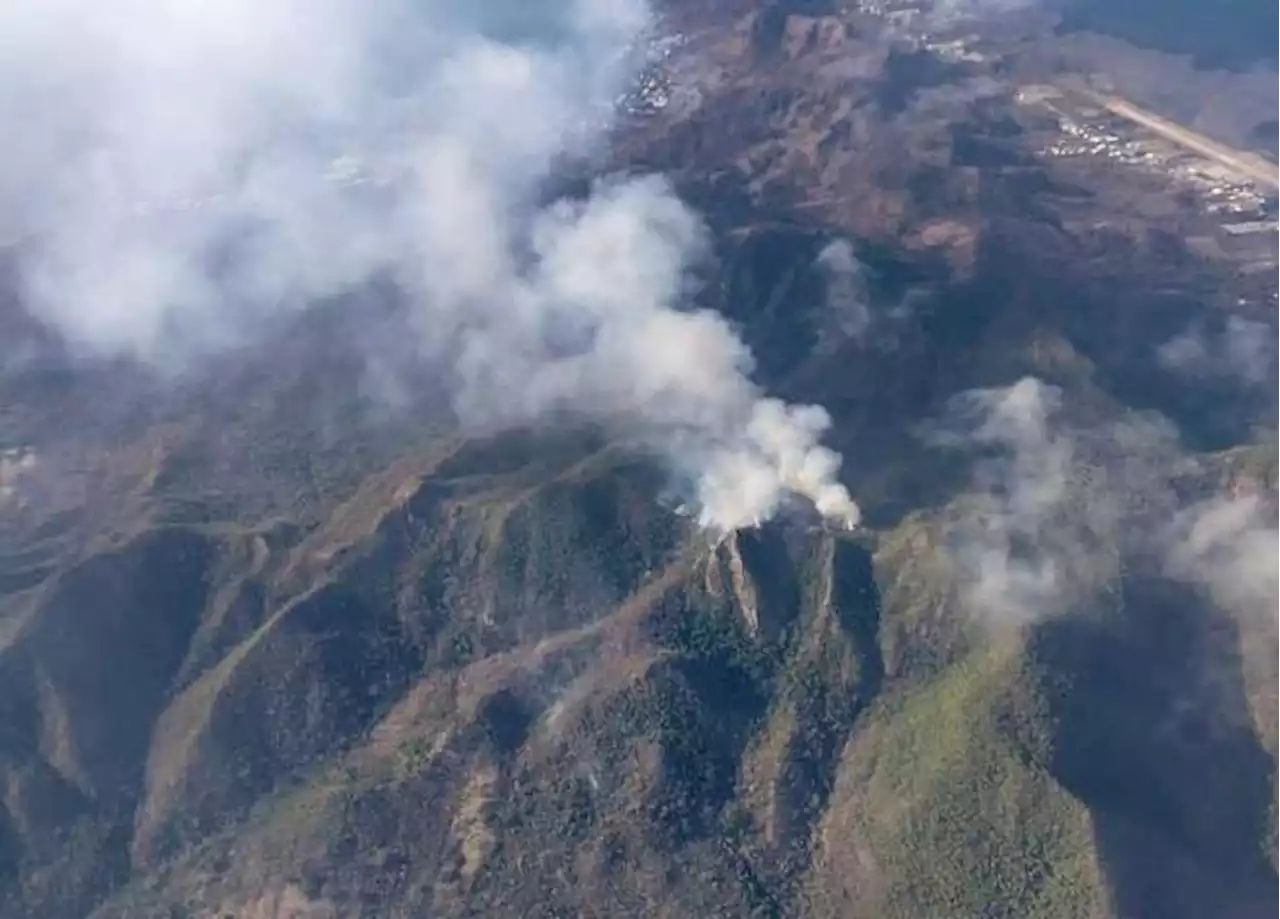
(1059, 508)
(190, 170)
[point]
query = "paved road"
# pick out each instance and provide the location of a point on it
(1246, 165)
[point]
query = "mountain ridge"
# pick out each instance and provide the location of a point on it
(271, 649)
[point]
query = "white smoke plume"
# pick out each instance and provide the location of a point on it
(847, 314)
(1060, 508)
(1036, 540)
(1243, 350)
(1054, 506)
(183, 174)
(15, 465)
(1229, 546)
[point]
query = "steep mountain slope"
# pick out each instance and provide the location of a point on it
(268, 652)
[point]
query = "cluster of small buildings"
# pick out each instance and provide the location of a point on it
(653, 90)
(650, 94)
(1218, 186)
(1242, 213)
(896, 10)
(1084, 140)
(927, 25)
(955, 50)
(1086, 131)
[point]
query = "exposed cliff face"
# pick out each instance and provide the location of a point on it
(265, 652)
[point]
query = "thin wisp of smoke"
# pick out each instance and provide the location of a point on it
(1040, 536)
(1056, 507)
(1060, 509)
(846, 314)
(1243, 350)
(1228, 546)
(188, 173)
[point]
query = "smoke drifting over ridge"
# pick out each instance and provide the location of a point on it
(1228, 546)
(1057, 506)
(1041, 536)
(1061, 510)
(187, 172)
